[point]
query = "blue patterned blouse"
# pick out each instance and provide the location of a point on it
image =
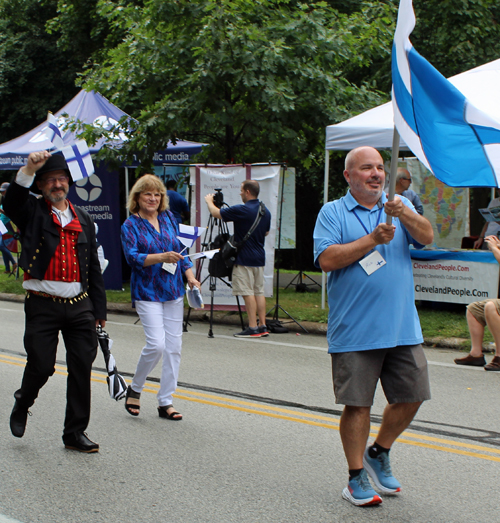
(140, 238)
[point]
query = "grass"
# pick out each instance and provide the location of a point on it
(307, 307)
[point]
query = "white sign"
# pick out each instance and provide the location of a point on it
(455, 281)
(229, 178)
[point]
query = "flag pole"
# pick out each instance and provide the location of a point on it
(394, 169)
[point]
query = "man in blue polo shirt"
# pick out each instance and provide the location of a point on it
(373, 327)
(248, 270)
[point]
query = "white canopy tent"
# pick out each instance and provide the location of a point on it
(375, 127)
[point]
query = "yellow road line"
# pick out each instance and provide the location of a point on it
(443, 445)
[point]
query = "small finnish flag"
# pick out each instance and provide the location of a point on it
(53, 132)
(188, 235)
(204, 254)
(79, 160)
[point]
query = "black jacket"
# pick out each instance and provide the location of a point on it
(40, 238)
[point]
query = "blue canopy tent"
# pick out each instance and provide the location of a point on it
(99, 194)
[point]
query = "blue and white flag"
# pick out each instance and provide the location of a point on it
(3, 229)
(188, 234)
(79, 160)
(455, 140)
(204, 254)
(53, 132)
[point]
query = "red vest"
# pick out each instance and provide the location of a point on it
(64, 265)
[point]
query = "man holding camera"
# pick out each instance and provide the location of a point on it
(248, 270)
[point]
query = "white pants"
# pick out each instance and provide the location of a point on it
(162, 324)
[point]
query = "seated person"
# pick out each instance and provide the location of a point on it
(479, 315)
(489, 228)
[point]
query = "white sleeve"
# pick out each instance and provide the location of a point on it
(23, 179)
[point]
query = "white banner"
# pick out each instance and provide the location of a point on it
(454, 281)
(288, 219)
(229, 178)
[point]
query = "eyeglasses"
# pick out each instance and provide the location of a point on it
(60, 179)
(407, 179)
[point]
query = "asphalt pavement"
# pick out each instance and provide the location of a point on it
(259, 440)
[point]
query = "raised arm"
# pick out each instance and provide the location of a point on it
(212, 208)
(494, 246)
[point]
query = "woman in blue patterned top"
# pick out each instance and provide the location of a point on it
(149, 239)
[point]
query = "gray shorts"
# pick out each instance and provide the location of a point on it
(402, 372)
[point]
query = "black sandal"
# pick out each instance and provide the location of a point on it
(174, 416)
(130, 406)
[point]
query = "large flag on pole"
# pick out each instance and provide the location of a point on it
(455, 140)
(79, 160)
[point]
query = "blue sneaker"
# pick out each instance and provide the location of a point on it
(380, 471)
(359, 491)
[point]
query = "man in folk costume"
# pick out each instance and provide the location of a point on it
(65, 291)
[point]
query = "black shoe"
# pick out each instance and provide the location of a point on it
(79, 441)
(18, 419)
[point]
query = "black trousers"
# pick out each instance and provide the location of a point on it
(45, 318)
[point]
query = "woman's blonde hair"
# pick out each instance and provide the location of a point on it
(148, 182)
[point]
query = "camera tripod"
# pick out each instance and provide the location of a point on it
(215, 228)
(299, 278)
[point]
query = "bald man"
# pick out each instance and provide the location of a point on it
(403, 182)
(373, 327)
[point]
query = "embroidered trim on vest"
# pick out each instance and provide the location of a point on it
(64, 264)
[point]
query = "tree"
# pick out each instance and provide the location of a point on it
(256, 79)
(35, 76)
(457, 35)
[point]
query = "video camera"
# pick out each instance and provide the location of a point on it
(218, 198)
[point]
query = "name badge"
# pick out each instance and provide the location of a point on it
(372, 262)
(169, 267)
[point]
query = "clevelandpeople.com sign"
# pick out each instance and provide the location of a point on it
(455, 277)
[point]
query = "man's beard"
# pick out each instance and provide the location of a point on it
(55, 198)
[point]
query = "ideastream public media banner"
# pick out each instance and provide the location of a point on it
(455, 277)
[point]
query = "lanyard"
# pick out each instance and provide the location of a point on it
(363, 225)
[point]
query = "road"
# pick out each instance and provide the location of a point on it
(259, 440)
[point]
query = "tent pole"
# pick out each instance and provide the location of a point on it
(325, 201)
(126, 190)
(394, 169)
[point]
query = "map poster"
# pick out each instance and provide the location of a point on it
(447, 208)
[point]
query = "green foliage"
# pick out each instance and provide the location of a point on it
(255, 79)
(82, 29)
(35, 76)
(457, 35)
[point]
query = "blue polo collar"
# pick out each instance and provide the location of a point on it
(351, 203)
